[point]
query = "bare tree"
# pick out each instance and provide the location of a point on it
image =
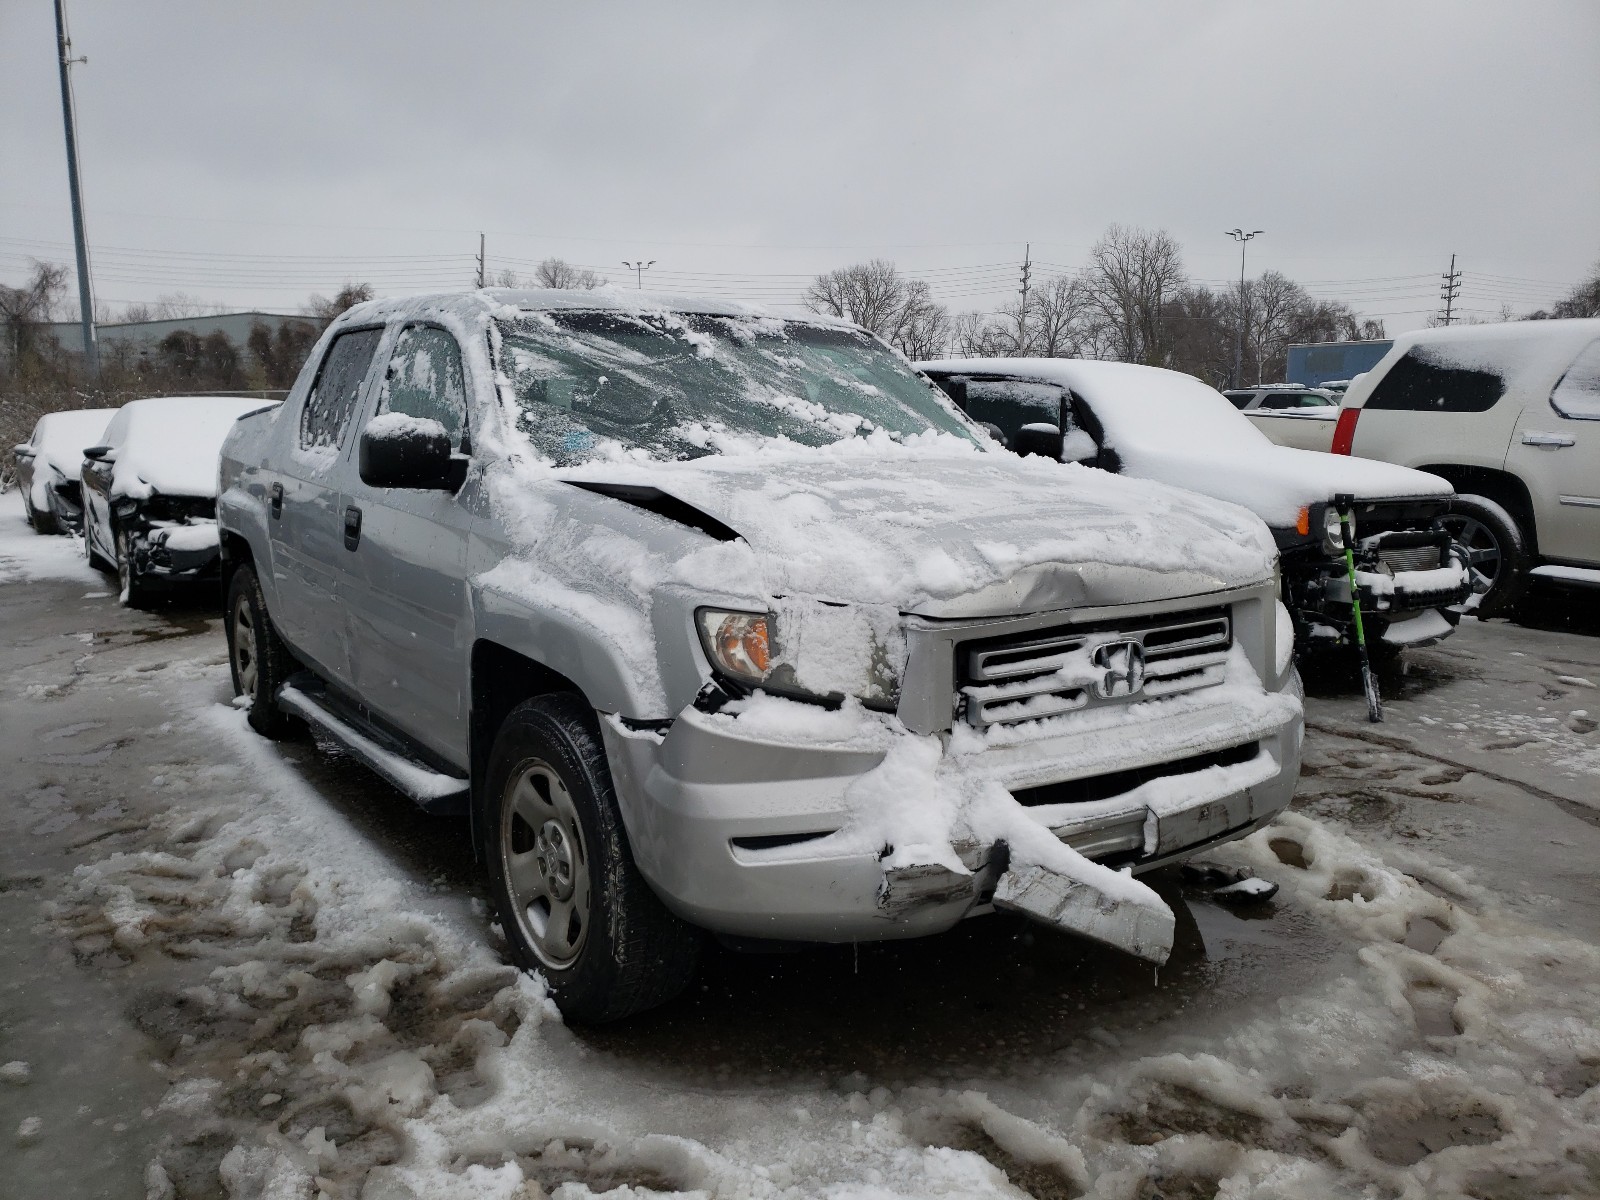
(348, 296)
(558, 273)
(507, 279)
(27, 309)
(1132, 274)
(136, 313)
(876, 296)
(1583, 300)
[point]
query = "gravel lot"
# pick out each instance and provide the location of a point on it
(251, 970)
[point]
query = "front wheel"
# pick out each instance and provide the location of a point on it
(1497, 553)
(570, 898)
(135, 587)
(259, 660)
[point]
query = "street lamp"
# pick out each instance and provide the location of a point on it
(638, 269)
(1243, 239)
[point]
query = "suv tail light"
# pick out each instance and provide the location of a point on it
(1344, 433)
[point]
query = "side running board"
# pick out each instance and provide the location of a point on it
(433, 791)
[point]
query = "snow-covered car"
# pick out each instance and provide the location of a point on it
(1163, 425)
(1289, 414)
(1509, 414)
(716, 620)
(48, 464)
(150, 492)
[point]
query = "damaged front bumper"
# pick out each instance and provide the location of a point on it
(177, 552)
(1411, 583)
(743, 837)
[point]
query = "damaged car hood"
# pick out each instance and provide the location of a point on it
(953, 532)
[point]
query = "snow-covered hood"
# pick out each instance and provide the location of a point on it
(58, 445)
(953, 531)
(1169, 426)
(1275, 482)
(172, 444)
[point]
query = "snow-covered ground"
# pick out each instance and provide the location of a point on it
(251, 971)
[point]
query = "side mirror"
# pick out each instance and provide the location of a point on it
(101, 453)
(993, 431)
(1040, 438)
(398, 451)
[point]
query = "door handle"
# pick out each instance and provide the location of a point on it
(277, 500)
(1546, 439)
(352, 527)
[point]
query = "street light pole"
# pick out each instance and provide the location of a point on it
(91, 349)
(638, 269)
(1243, 239)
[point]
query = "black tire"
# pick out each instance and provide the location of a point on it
(608, 947)
(1497, 551)
(136, 590)
(257, 657)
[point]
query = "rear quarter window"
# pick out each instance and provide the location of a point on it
(1578, 394)
(1417, 384)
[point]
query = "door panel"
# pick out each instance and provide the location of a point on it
(406, 577)
(1559, 459)
(307, 532)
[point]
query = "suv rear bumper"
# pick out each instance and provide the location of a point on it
(741, 836)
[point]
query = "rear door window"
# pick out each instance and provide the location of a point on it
(1239, 399)
(1009, 404)
(1418, 383)
(333, 397)
(1578, 393)
(425, 379)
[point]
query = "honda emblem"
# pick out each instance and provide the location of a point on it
(1123, 664)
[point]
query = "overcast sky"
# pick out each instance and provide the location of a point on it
(250, 154)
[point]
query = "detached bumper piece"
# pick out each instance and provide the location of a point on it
(177, 552)
(1143, 930)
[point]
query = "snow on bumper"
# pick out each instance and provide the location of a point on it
(753, 838)
(178, 551)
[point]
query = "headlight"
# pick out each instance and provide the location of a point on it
(1332, 539)
(739, 644)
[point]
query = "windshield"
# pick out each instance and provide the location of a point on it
(681, 385)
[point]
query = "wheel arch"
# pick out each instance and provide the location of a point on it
(1503, 487)
(500, 679)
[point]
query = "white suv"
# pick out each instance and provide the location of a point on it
(1510, 414)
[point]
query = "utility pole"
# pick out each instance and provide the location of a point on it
(1243, 239)
(91, 348)
(1450, 290)
(1022, 310)
(482, 275)
(639, 268)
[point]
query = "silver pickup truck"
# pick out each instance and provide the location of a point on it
(717, 621)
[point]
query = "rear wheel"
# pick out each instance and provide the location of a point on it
(1497, 553)
(259, 660)
(571, 900)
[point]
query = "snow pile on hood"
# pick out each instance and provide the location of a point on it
(59, 441)
(1169, 426)
(172, 444)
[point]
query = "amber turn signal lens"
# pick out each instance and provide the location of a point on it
(738, 644)
(1302, 523)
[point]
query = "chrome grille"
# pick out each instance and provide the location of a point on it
(1412, 558)
(1054, 672)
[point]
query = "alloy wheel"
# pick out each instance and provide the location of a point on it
(244, 646)
(546, 864)
(1484, 553)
